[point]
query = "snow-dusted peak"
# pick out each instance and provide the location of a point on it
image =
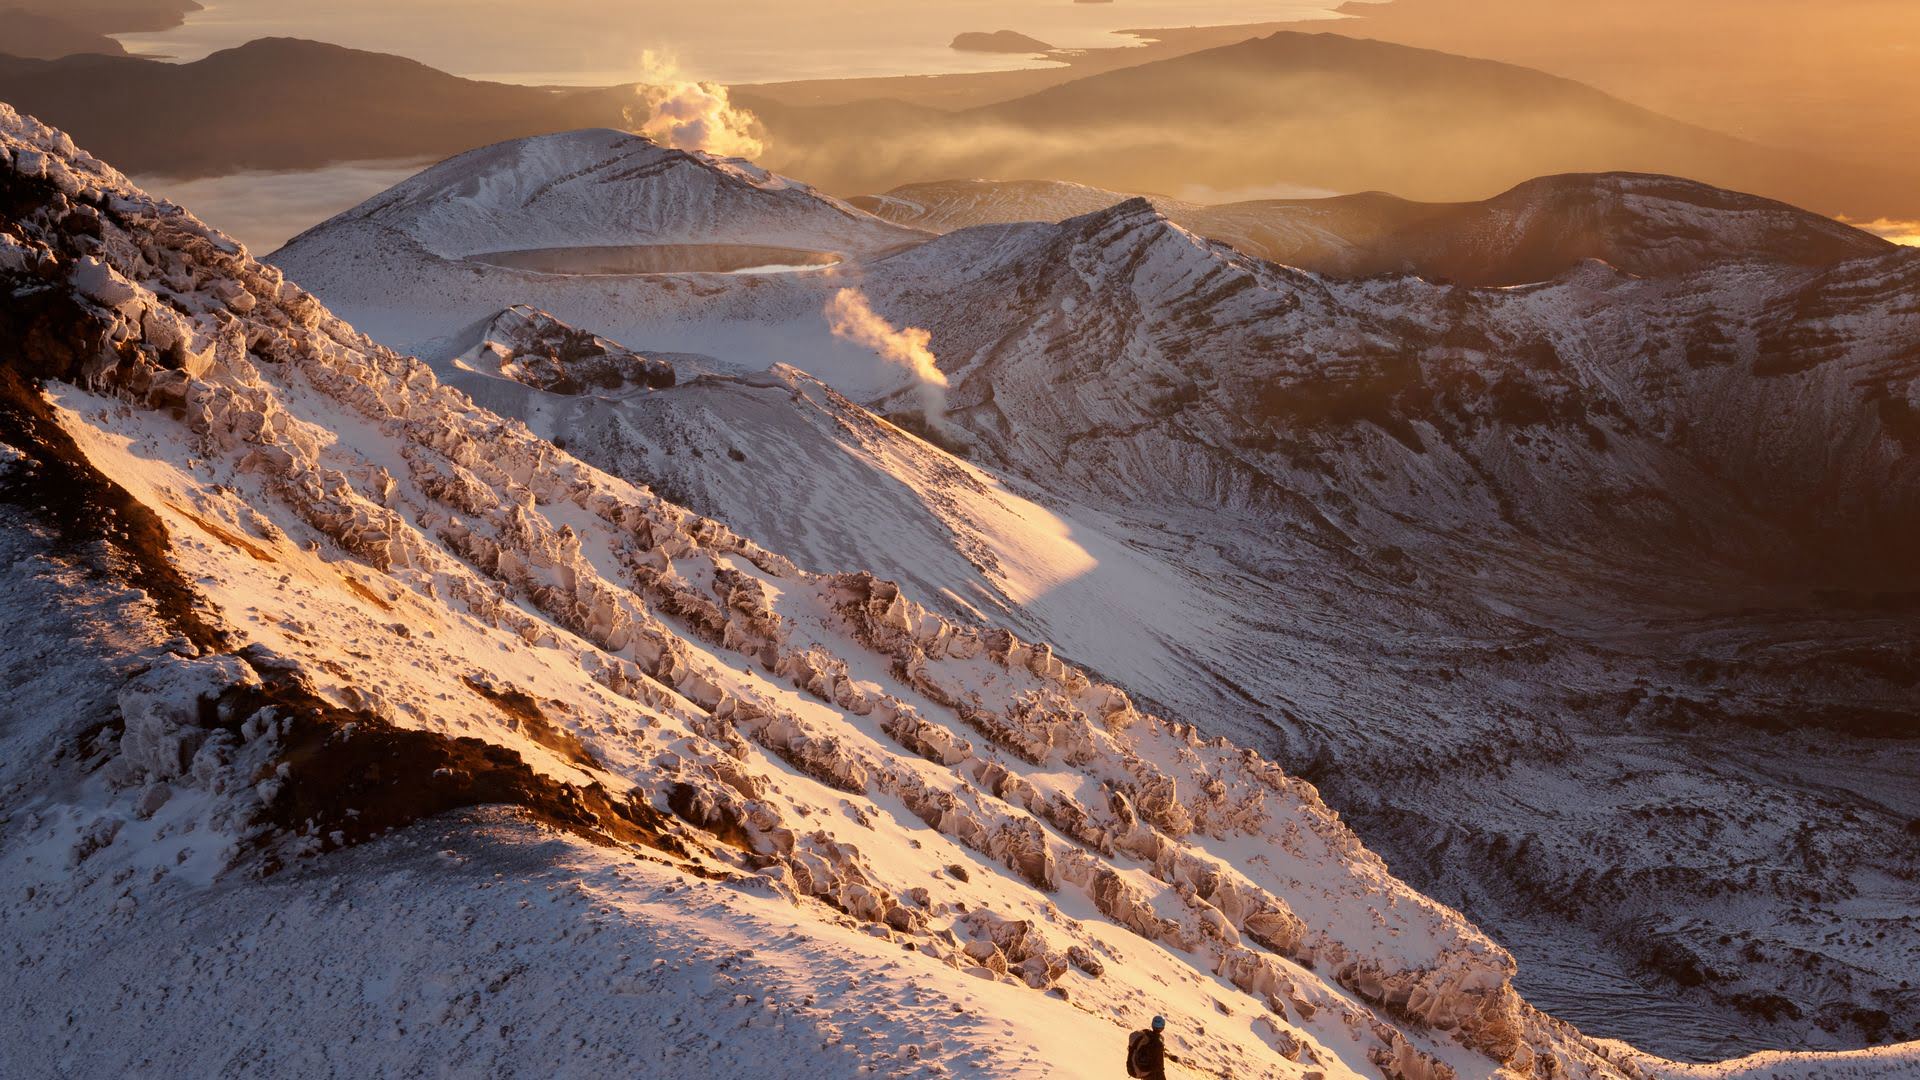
(1647, 225)
(605, 188)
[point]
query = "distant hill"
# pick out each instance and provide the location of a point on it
(281, 103)
(999, 41)
(1303, 110)
(49, 29)
(31, 34)
(1836, 78)
(1648, 226)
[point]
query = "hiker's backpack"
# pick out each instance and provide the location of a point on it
(1136, 1047)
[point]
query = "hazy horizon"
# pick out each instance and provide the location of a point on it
(600, 43)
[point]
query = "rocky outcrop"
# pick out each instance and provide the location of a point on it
(530, 346)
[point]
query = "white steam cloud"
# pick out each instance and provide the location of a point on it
(691, 115)
(850, 316)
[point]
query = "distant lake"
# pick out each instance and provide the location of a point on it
(600, 42)
(264, 210)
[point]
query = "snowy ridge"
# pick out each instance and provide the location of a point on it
(1646, 225)
(358, 565)
(1154, 313)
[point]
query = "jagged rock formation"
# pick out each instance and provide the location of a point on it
(531, 347)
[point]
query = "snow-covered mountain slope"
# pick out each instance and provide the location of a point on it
(1644, 225)
(368, 730)
(782, 454)
(586, 224)
(1754, 391)
(1554, 589)
(601, 188)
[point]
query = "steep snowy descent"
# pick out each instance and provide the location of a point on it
(366, 601)
(781, 454)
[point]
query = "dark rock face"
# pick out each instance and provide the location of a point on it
(539, 350)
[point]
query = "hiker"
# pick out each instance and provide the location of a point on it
(1146, 1053)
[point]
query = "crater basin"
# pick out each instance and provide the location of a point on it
(628, 260)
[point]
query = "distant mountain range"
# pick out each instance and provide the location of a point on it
(281, 103)
(1291, 110)
(50, 29)
(1834, 78)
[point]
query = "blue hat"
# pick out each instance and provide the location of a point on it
(1159, 1022)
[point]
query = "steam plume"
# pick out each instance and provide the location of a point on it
(691, 115)
(850, 316)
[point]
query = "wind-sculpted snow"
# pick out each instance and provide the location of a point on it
(420, 607)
